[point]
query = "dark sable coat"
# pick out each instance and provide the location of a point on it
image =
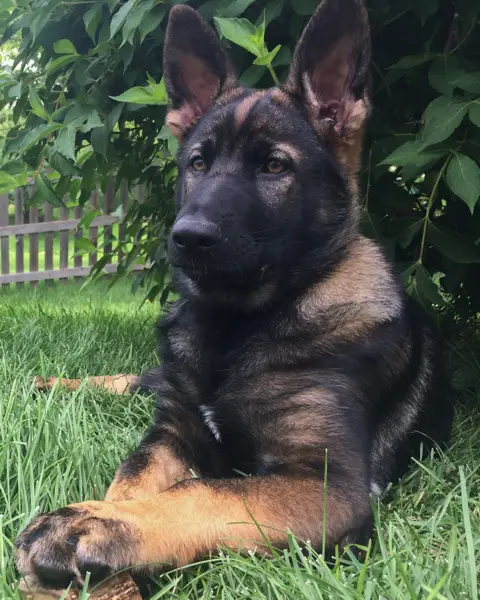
(292, 346)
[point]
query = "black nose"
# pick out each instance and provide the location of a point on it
(195, 235)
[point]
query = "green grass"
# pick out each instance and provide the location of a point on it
(63, 447)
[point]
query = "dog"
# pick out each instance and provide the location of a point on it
(297, 378)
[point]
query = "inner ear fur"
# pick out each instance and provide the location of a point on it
(329, 77)
(196, 68)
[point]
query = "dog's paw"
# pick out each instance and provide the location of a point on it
(59, 548)
(40, 383)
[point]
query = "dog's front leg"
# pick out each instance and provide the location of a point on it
(184, 523)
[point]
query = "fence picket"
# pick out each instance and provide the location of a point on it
(78, 258)
(64, 243)
(48, 237)
(108, 204)
(19, 241)
(5, 242)
(124, 203)
(33, 241)
(93, 256)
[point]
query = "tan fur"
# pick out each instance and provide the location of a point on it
(362, 280)
(115, 384)
(280, 97)
(190, 521)
(291, 150)
(162, 471)
(243, 109)
(347, 144)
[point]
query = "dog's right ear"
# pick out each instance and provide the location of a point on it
(196, 68)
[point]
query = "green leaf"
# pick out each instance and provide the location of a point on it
(93, 121)
(7, 183)
(427, 288)
(442, 116)
(232, 8)
(61, 63)
(134, 19)
(31, 137)
(454, 246)
(92, 19)
(46, 191)
(99, 139)
(88, 217)
(60, 163)
(305, 8)
(251, 76)
(272, 10)
(65, 142)
(425, 162)
(40, 18)
(170, 139)
(446, 74)
(408, 272)
(119, 17)
(113, 117)
(474, 112)
(37, 105)
(425, 9)
(463, 178)
(410, 153)
(64, 47)
(154, 93)
(84, 245)
(406, 230)
(151, 21)
(268, 58)
(240, 32)
(408, 62)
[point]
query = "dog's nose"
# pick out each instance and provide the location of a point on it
(194, 235)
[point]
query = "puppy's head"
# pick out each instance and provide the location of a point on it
(267, 179)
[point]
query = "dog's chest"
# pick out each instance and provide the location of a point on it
(220, 356)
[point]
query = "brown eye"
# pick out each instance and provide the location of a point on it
(198, 164)
(274, 166)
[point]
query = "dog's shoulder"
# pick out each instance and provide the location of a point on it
(359, 293)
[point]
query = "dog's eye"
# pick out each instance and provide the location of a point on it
(198, 164)
(274, 166)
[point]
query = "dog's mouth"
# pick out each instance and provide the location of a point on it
(224, 276)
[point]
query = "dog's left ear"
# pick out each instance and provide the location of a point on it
(196, 68)
(330, 64)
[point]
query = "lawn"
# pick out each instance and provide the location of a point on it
(63, 447)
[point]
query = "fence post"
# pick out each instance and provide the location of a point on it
(19, 243)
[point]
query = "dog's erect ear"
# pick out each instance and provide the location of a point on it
(330, 64)
(196, 68)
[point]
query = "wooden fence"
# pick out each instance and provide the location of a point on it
(38, 243)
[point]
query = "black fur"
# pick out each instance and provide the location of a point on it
(293, 349)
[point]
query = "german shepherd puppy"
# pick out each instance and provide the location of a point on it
(293, 350)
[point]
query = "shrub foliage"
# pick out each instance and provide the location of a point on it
(89, 103)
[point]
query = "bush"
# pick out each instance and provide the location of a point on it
(88, 84)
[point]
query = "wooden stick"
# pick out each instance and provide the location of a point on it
(120, 587)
